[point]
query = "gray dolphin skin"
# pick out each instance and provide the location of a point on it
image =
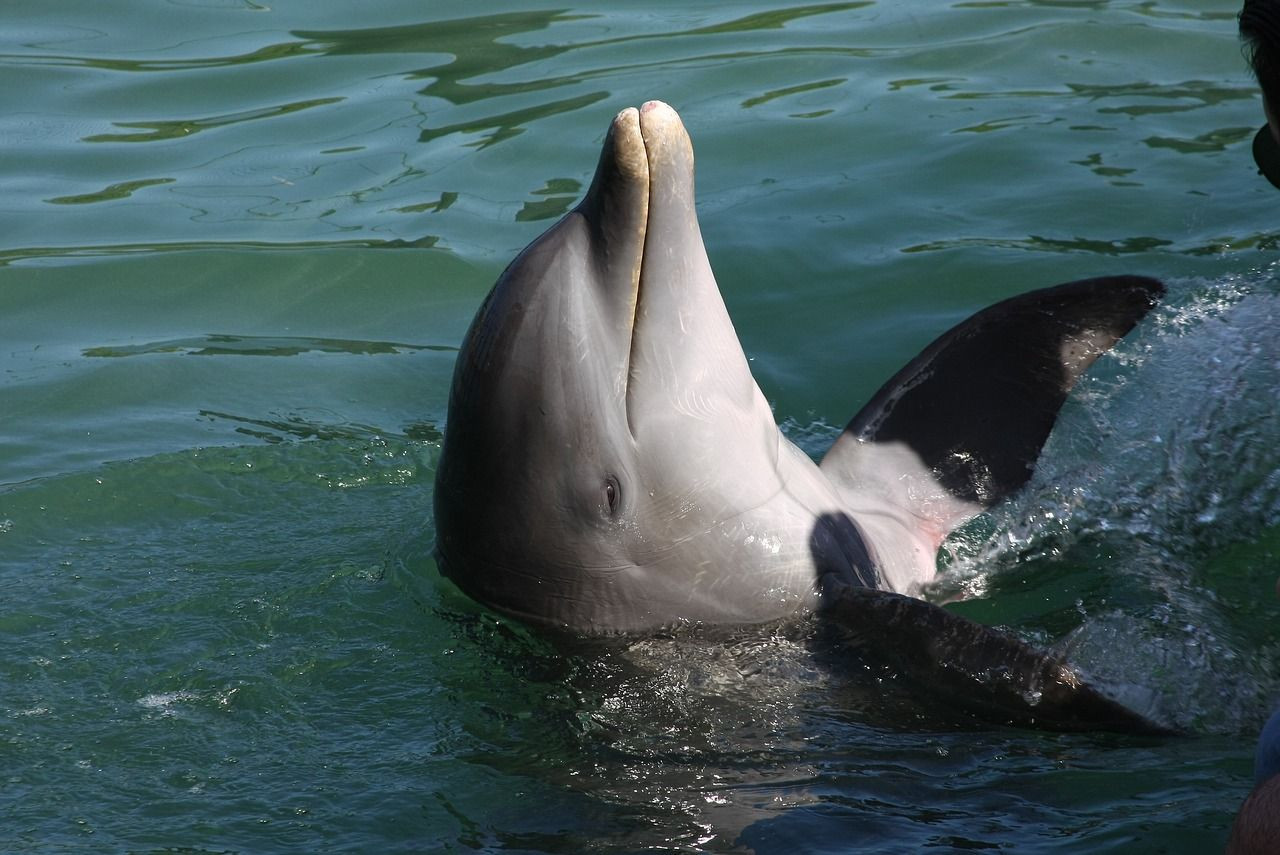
(610, 465)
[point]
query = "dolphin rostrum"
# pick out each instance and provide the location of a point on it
(611, 466)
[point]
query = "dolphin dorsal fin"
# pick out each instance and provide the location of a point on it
(961, 426)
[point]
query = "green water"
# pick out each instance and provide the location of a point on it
(239, 242)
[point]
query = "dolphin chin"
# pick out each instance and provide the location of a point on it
(610, 464)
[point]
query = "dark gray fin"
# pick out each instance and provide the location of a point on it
(991, 674)
(976, 406)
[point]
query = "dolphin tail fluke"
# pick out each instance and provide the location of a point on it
(990, 674)
(961, 426)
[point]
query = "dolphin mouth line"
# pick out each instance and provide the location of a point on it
(637, 278)
(643, 135)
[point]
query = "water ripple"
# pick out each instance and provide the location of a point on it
(180, 128)
(240, 345)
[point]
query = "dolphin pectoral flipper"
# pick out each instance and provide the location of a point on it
(987, 672)
(961, 426)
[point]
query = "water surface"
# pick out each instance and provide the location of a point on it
(240, 243)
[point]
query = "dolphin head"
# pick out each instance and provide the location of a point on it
(605, 437)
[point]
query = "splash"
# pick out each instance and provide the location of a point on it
(1145, 542)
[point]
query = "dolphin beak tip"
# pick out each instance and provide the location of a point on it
(627, 116)
(665, 136)
(659, 117)
(626, 146)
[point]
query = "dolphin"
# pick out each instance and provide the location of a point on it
(610, 465)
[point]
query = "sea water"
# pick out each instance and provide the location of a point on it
(240, 241)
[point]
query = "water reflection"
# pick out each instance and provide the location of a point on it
(480, 50)
(560, 195)
(1216, 140)
(241, 345)
(791, 90)
(445, 201)
(478, 45)
(507, 125)
(122, 190)
(1038, 243)
(181, 128)
(38, 253)
(469, 47)
(297, 426)
(270, 53)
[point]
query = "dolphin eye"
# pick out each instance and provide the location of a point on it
(612, 494)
